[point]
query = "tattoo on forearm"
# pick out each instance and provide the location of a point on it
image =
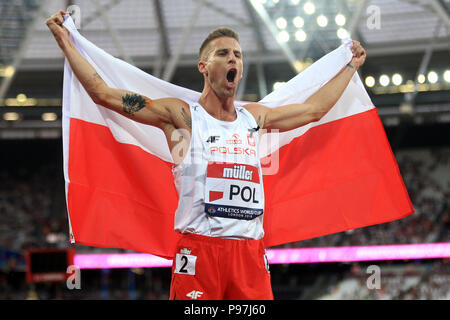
(132, 103)
(98, 76)
(186, 118)
(350, 65)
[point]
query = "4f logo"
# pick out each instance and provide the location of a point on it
(194, 294)
(213, 139)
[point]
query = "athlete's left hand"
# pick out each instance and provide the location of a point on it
(359, 54)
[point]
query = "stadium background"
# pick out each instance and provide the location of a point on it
(407, 74)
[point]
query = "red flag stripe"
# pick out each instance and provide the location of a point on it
(108, 197)
(338, 176)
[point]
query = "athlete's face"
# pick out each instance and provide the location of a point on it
(222, 66)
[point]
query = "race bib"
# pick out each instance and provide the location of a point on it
(185, 264)
(233, 190)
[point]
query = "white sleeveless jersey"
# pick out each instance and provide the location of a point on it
(219, 181)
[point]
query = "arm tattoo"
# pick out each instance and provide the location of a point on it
(132, 103)
(98, 76)
(186, 118)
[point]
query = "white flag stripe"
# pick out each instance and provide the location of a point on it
(119, 74)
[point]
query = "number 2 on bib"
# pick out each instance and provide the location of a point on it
(185, 264)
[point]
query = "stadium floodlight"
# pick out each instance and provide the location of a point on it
(11, 116)
(295, 2)
(447, 75)
(432, 77)
(21, 98)
(322, 21)
(283, 36)
(298, 22)
(300, 35)
(281, 23)
(384, 80)
(309, 7)
(340, 19)
(370, 81)
(49, 116)
(397, 79)
(421, 78)
(9, 71)
(342, 33)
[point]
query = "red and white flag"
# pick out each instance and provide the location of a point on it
(326, 177)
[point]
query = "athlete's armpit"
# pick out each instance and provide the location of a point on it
(259, 121)
(186, 118)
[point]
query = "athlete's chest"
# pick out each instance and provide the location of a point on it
(237, 143)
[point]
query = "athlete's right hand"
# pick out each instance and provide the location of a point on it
(61, 34)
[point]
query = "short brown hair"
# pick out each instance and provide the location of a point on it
(217, 33)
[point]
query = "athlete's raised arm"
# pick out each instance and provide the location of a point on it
(158, 112)
(292, 116)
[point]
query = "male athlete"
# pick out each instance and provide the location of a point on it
(221, 254)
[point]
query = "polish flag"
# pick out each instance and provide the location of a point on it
(326, 177)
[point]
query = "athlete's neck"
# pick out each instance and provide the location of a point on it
(218, 107)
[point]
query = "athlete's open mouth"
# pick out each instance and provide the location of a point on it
(231, 74)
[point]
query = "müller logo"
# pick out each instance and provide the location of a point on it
(238, 172)
(235, 139)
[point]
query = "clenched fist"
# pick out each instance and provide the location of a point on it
(61, 34)
(359, 54)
